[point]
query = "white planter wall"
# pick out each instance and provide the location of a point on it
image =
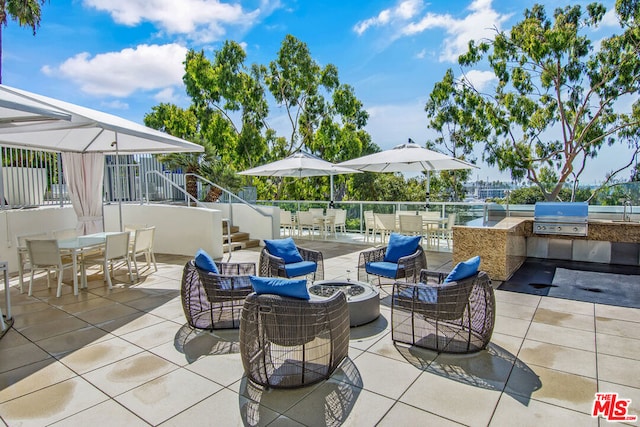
(179, 230)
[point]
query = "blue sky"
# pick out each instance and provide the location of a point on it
(125, 56)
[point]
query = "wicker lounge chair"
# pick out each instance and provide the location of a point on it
(288, 342)
(274, 266)
(214, 301)
(454, 317)
(407, 267)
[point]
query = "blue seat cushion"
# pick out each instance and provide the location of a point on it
(464, 269)
(301, 268)
(285, 249)
(382, 268)
(426, 294)
(204, 261)
(400, 246)
(293, 288)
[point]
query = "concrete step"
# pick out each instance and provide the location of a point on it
(244, 244)
(236, 237)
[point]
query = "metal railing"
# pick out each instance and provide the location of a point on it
(466, 213)
(229, 197)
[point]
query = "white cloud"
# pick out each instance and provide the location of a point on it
(202, 20)
(119, 74)
(167, 95)
(610, 19)
(116, 105)
(479, 23)
(422, 54)
(480, 79)
(403, 11)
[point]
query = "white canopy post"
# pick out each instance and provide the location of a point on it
(84, 173)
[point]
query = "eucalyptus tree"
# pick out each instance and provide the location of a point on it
(226, 89)
(557, 100)
(26, 12)
(182, 123)
(451, 116)
(324, 116)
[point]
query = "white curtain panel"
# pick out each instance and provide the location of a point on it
(84, 173)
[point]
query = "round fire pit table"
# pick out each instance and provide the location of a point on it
(362, 298)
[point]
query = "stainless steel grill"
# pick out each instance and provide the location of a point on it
(561, 218)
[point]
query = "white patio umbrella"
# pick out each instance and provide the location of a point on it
(409, 157)
(68, 128)
(300, 165)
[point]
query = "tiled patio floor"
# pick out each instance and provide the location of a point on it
(126, 357)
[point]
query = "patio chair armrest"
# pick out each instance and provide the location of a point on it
(412, 264)
(371, 255)
(432, 277)
(237, 268)
(269, 265)
(314, 256)
(221, 287)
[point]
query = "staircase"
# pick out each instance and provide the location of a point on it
(237, 239)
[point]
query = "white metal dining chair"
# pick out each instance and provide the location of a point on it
(45, 255)
(23, 253)
(286, 221)
(385, 224)
(65, 234)
(369, 226)
(411, 224)
(308, 221)
(116, 250)
(143, 245)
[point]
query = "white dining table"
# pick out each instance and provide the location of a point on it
(78, 246)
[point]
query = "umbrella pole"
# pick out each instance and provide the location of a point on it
(426, 205)
(119, 196)
(331, 185)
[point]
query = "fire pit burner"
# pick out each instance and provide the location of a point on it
(363, 299)
(328, 290)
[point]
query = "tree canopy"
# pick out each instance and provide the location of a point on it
(230, 112)
(556, 101)
(26, 12)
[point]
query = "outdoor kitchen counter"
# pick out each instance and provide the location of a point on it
(614, 231)
(503, 247)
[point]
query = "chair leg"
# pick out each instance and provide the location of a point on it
(153, 259)
(31, 281)
(59, 291)
(20, 271)
(135, 265)
(129, 268)
(108, 269)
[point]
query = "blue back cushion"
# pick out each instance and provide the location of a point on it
(285, 249)
(294, 288)
(464, 269)
(204, 261)
(400, 246)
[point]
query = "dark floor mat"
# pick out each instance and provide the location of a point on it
(611, 284)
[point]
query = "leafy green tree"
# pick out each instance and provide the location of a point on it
(450, 112)
(220, 91)
(26, 12)
(182, 123)
(325, 118)
(554, 105)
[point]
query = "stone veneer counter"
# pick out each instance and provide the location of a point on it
(503, 247)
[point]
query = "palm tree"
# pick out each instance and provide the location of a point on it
(26, 12)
